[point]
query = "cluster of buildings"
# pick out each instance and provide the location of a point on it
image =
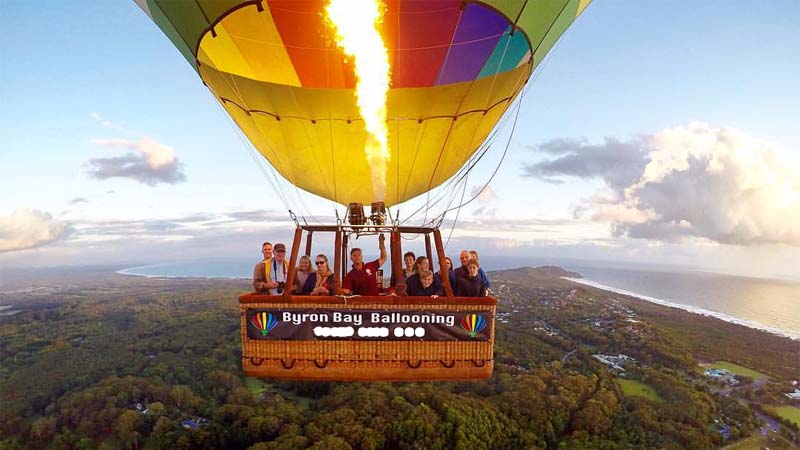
(502, 317)
(549, 297)
(544, 327)
(623, 311)
(615, 362)
(722, 375)
(188, 424)
(194, 423)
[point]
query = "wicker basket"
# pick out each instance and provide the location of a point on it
(367, 360)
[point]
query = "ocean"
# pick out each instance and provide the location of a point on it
(767, 304)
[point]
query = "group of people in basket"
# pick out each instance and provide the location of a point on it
(365, 278)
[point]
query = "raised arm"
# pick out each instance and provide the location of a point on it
(382, 247)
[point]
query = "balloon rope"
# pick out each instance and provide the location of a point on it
(549, 57)
(276, 186)
(450, 129)
(251, 152)
(448, 189)
(418, 139)
(235, 88)
(502, 158)
(267, 170)
(458, 212)
(462, 174)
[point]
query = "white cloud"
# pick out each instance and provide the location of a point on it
(149, 162)
(485, 196)
(199, 235)
(617, 162)
(25, 229)
(712, 183)
(688, 182)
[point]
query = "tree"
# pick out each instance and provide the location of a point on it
(126, 428)
(331, 443)
(157, 409)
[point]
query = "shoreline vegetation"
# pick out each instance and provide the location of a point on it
(575, 277)
(692, 309)
(95, 359)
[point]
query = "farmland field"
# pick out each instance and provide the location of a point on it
(738, 370)
(790, 413)
(638, 389)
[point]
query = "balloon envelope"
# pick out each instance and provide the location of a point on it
(276, 69)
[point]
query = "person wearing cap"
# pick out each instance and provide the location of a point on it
(277, 270)
(361, 280)
(270, 276)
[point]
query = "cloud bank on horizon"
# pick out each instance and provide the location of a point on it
(24, 233)
(685, 182)
(694, 183)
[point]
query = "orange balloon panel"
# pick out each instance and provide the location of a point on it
(276, 68)
(315, 137)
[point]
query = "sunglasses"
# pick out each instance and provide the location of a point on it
(319, 263)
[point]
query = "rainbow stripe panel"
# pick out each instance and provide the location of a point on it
(274, 66)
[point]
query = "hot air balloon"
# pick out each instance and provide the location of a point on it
(283, 71)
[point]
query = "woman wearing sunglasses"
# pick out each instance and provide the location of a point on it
(321, 281)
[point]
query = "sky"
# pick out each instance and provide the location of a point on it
(655, 132)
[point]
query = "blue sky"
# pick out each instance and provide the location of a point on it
(76, 76)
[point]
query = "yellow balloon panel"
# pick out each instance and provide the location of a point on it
(455, 67)
(315, 137)
(248, 44)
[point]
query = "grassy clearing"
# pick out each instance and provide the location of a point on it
(738, 370)
(257, 386)
(760, 443)
(635, 388)
(790, 413)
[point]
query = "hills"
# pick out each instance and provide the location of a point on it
(101, 360)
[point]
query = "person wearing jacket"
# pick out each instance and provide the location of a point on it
(471, 285)
(319, 282)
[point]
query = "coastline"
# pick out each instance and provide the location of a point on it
(692, 309)
(130, 271)
(134, 271)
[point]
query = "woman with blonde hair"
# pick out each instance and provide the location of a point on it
(321, 281)
(304, 269)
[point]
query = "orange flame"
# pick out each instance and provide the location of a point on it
(356, 25)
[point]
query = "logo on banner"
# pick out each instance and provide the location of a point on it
(264, 322)
(311, 324)
(473, 324)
